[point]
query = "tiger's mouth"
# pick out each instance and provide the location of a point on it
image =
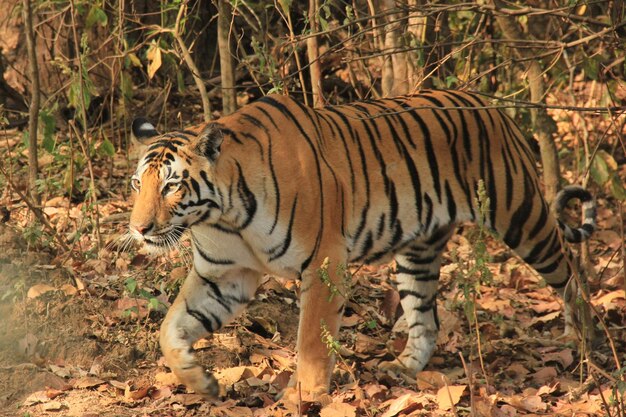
(161, 241)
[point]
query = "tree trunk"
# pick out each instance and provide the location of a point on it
(33, 115)
(543, 124)
(393, 44)
(227, 71)
(313, 54)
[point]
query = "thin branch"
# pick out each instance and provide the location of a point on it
(33, 112)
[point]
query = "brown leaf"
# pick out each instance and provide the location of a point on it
(229, 376)
(53, 406)
(495, 305)
(390, 304)
(517, 372)
(38, 290)
(350, 321)
(136, 394)
(564, 357)
(546, 306)
(119, 385)
(166, 378)
(544, 375)
(450, 395)
(53, 393)
(403, 404)
(375, 391)
(36, 398)
(431, 380)
(338, 410)
(87, 382)
(606, 300)
(546, 318)
(532, 403)
(69, 289)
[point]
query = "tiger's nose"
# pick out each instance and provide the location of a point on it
(142, 229)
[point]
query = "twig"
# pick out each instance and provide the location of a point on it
(35, 210)
(33, 111)
(206, 104)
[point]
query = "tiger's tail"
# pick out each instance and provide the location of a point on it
(582, 233)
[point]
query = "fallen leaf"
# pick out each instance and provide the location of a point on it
(53, 393)
(564, 357)
(36, 398)
(69, 289)
(229, 376)
(546, 306)
(38, 290)
(450, 395)
(533, 403)
(431, 380)
(53, 406)
(166, 378)
(136, 394)
(338, 410)
(405, 404)
(120, 385)
(389, 307)
(607, 299)
(546, 318)
(87, 382)
(544, 375)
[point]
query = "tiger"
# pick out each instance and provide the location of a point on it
(283, 189)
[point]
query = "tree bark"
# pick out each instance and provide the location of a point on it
(33, 114)
(227, 71)
(313, 54)
(393, 43)
(543, 124)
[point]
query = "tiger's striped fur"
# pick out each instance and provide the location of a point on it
(278, 187)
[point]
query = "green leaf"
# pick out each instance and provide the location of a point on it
(107, 148)
(131, 285)
(285, 5)
(49, 126)
(126, 85)
(617, 188)
(599, 170)
(96, 16)
(153, 304)
(591, 67)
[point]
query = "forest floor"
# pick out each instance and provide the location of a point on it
(79, 330)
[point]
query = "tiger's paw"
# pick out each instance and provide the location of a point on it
(295, 396)
(399, 369)
(395, 366)
(200, 381)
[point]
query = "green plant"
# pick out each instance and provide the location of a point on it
(473, 271)
(345, 282)
(132, 287)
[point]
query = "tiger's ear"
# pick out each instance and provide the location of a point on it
(143, 130)
(209, 142)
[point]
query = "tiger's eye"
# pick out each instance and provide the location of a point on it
(135, 183)
(170, 187)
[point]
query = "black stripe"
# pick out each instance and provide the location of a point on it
(282, 248)
(247, 198)
(204, 320)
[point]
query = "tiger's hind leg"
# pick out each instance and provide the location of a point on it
(203, 306)
(417, 277)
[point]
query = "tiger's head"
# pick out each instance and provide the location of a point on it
(174, 184)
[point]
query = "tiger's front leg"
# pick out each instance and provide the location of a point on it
(204, 305)
(321, 308)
